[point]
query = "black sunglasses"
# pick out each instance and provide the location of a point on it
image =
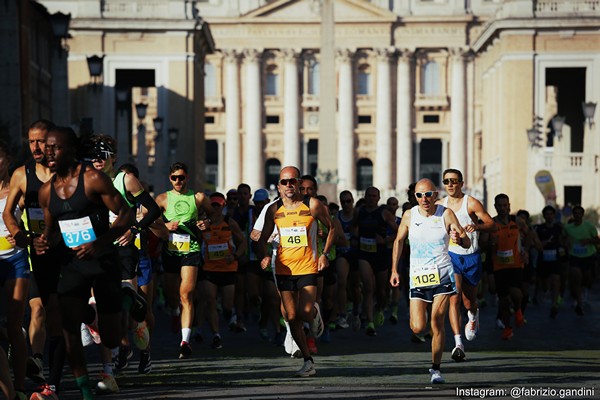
(177, 177)
(291, 181)
(454, 181)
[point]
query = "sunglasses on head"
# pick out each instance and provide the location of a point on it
(177, 177)
(424, 194)
(291, 181)
(454, 181)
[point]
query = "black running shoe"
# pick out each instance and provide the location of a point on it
(145, 365)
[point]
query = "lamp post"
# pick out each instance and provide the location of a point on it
(60, 28)
(557, 125)
(142, 156)
(95, 66)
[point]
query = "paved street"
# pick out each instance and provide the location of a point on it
(562, 353)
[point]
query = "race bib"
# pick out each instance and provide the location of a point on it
(550, 255)
(76, 232)
(294, 236)
(424, 276)
(217, 251)
(368, 245)
(36, 220)
(179, 242)
(4, 244)
(580, 250)
(505, 256)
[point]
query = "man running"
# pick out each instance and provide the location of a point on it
(466, 262)
(429, 228)
(296, 263)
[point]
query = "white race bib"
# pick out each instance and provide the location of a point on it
(423, 276)
(179, 242)
(505, 256)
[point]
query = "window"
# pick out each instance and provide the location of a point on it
(364, 174)
(272, 169)
(272, 81)
(431, 119)
(212, 161)
(210, 80)
(313, 78)
(209, 119)
(364, 119)
(431, 79)
(364, 80)
(312, 156)
(272, 119)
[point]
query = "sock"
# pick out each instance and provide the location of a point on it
(435, 367)
(114, 351)
(83, 382)
(185, 334)
(457, 340)
(56, 359)
(108, 368)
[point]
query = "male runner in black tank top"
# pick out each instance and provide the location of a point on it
(24, 186)
(76, 203)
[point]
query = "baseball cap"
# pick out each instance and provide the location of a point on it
(217, 199)
(260, 195)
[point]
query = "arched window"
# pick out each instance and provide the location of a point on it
(364, 79)
(364, 174)
(272, 87)
(272, 169)
(314, 78)
(210, 80)
(431, 79)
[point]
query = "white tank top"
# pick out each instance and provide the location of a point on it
(428, 245)
(464, 219)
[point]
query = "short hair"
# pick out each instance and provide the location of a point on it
(178, 165)
(524, 214)
(130, 168)
(453, 171)
(322, 199)
(291, 166)
(69, 134)
(42, 124)
(578, 208)
(548, 208)
(218, 194)
(310, 178)
(244, 186)
(344, 193)
(501, 196)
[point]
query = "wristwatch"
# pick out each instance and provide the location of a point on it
(326, 255)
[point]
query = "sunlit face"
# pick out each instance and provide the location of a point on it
(426, 195)
(307, 188)
(453, 183)
(178, 180)
(37, 144)
(59, 153)
(289, 183)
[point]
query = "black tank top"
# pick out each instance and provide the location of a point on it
(33, 185)
(78, 206)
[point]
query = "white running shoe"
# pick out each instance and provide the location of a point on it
(107, 385)
(317, 327)
(308, 369)
(287, 343)
(472, 327)
(458, 353)
(499, 324)
(436, 376)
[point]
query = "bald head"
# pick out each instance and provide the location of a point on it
(425, 185)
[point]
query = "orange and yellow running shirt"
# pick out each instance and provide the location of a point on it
(297, 252)
(217, 244)
(507, 252)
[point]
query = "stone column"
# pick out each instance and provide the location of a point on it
(458, 134)
(291, 134)
(404, 142)
(346, 154)
(253, 148)
(383, 141)
(232, 161)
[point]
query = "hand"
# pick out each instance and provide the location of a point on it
(41, 245)
(455, 236)
(394, 279)
(85, 250)
(265, 262)
(322, 263)
(20, 240)
(471, 228)
(126, 239)
(172, 225)
(203, 224)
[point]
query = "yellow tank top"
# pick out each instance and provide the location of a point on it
(297, 252)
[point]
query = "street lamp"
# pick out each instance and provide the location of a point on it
(140, 110)
(60, 28)
(158, 125)
(142, 156)
(173, 133)
(557, 125)
(95, 66)
(534, 137)
(589, 109)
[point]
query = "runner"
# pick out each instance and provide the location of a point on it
(429, 228)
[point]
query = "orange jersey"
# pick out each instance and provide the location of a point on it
(217, 244)
(507, 251)
(297, 252)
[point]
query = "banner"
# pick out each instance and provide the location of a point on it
(545, 183)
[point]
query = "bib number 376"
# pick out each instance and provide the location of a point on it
(76, 232)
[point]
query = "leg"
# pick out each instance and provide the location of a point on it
(186, 293)
(454, 315)
(289, 302)
(366, 274)
(17, 290)
(439, 309)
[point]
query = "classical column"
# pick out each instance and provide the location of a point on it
(253, 148)
(232, 162)
(404, 143)
(346, 154)
(458, 134)
(383, 120)
(291, 134)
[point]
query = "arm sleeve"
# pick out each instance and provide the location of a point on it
(153, 210)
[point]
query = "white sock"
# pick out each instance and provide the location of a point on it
(185, 334)
(457, 340)
(472, 316)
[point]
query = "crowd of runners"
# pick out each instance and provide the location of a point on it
(86, 251)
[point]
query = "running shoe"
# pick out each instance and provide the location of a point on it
(185, 350)
(436, 376)
(141, 336)
(86, 336)
(138, 306)
(312, 345)
(472, 327)
(308, 369)
(317, 325)
(122, 359)
(379, 318)
(217, 343)
(507, 333)
(95, 334)
(458, 354)
(107, 385)
(417, 338)
(371, 330)
(145, 365)
(288, 342)
(35, 370)
(232, 322)
(341, 323)
(44, 392)
(500, 324)
(295, 350)
(394, 317)
(519, 319)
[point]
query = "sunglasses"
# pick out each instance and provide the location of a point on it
(424, 194)
(291, 181)
(177, 177)
(454, 181)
